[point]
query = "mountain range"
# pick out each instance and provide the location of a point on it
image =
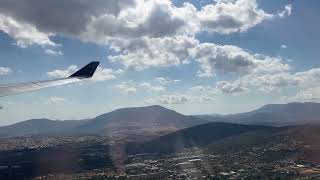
(154, 121)
(139, 122)
(273, 115)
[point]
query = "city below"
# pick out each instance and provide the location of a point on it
(174, 149)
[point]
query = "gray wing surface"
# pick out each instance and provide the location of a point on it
(84, 73)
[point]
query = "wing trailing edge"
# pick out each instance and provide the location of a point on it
(84, 73)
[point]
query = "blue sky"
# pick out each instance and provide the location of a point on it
(223, 56)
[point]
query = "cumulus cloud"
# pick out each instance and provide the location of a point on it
(53, 52)
(286, 12)
(152, 88)
(133, 87)
(57, 100)
(154, 18)
(134, 18)
(273, 81)
(100, 21)
(178, 98)
(232, 16)
(236, 16)
(206, 98)
(5, 71)
(126, 88)
(154, 33)
(157, 89)
(306, 95)
(229, 58)
(143, 53)
(24, 33)
(309, 78)
(104, 74)
(267, 81)
(283, 46)
(146, 52)
(227, 87)
(101, 74)
(34, 21)
(165, 80)
(62, 73)
(71, 20)
(175, 98)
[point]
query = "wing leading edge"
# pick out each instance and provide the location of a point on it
(84, 73)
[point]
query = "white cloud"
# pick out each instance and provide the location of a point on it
(161, 18)
(57, 100)
(286, 12)
(154, 33)
(175, 98)
(231, 16)
(145, 85)
(153, 18)
(203, 94)
(99, 19)
(172, 51)
(199, 88)
(126, 88)
(165, 80)
(24, 33)
(307, 95)
(273, 81)
(304, 79)
(53, 52)
(103, 74)
(146, 52)
(157, 89)
(196, 94)
(5, 71)
(141, 52)
(233, 59)
(206, 98)
(283, 46)
(145, 33)
(178, 98)
(227, 87)
(63, 73)
(152, 88)
(133, 87)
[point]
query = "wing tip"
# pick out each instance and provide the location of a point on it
(87, 71)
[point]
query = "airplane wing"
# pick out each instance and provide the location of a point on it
(84, 73)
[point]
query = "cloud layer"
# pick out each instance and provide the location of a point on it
(5, 71)
(157, 33)
(99, 21)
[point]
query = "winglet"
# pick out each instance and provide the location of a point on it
(87, 71)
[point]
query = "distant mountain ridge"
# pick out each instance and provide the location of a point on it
(154, 121)
(38, 126)
(150, 120)
(273, 115)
